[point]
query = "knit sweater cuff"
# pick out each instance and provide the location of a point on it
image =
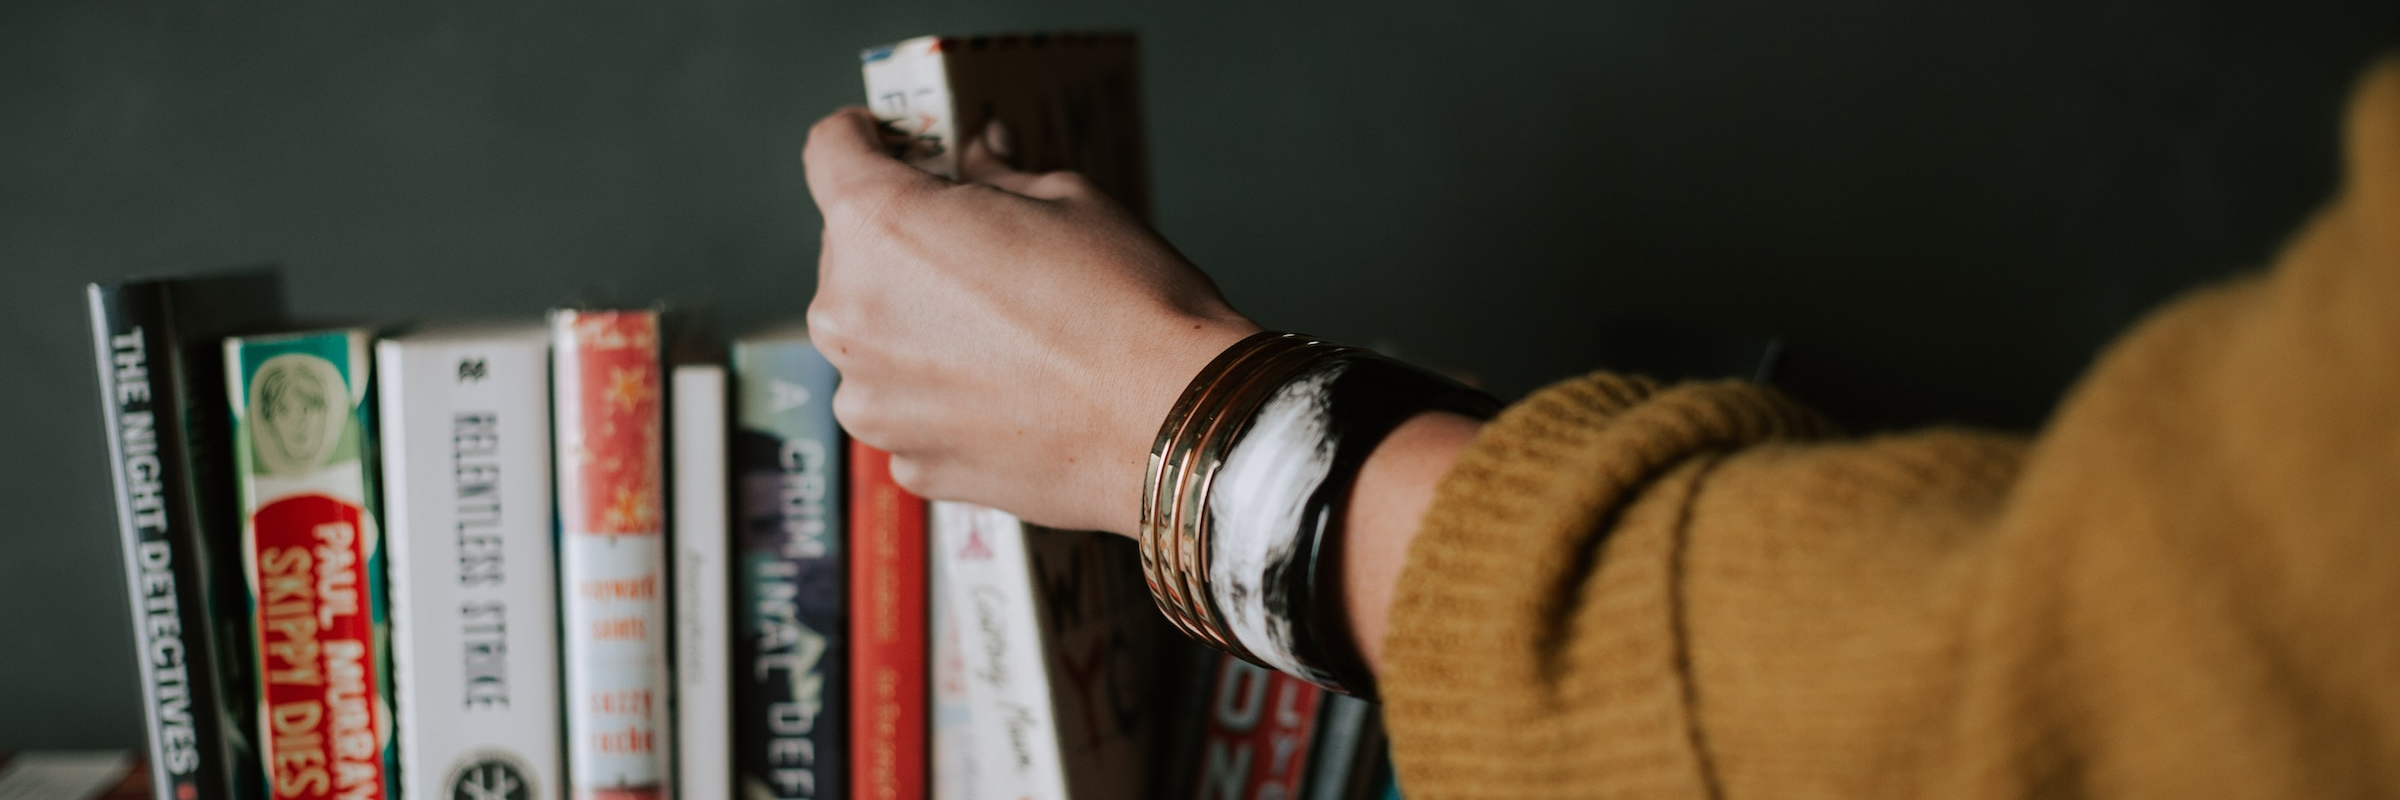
(1533, 652)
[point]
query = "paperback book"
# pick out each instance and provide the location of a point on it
(1064, 655)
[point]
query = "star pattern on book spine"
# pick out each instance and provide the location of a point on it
(620, 403)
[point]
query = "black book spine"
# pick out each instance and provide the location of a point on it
(165, 427)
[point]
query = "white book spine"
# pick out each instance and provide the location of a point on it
(990, 585)
(703, 620)
(466, 461)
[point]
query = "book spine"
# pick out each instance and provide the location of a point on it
(466, 467)
(304, 443)
(703, 621)
(611, 466)
(791, 706)
(951, 715)
(1106, 655)
(990, 587)
(181, 661)
(888, 631)
(1071, 101)
(1260, 724)
(1349, 740)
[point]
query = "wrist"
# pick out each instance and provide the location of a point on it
(1169, 363)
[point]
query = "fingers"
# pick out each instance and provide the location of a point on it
(847, 167)
(1061, 185)
(991, 160)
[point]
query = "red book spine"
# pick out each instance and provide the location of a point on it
(888, 680)
(1260, 725)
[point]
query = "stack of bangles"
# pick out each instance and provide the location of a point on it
(1251, 474)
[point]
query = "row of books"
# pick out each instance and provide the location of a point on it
(594, 558)
(602, 559)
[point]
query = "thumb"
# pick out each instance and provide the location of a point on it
(847, 166)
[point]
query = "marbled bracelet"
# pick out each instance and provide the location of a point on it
(1250, 475)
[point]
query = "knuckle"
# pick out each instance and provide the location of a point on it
(854, 406)
(909, 472)
(857, 207)
(886, 214)
(1066, 183)
(828, 319)
(831, 127)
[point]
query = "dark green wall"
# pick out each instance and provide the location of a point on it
(1943, 207)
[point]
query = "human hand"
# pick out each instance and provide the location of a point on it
(1013, 339)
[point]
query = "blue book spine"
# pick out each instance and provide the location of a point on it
(791, 718)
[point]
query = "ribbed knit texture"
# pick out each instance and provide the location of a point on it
(2188, 585)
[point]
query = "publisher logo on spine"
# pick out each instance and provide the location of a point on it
(490, 775)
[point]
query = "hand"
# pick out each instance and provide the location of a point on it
(1013, 340)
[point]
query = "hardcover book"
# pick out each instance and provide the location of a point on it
(791, 698)
(304, 448)
(162, 384)
(703, 584)
(466, 467)
(888, 632)
(1064, 655)
(1260, 732)
(611, 473)
(1269, 734)
(1069, 100)
(950, 718)
(1062, 660)
(1346, 761)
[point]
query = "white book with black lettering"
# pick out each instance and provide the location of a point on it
(466, 464)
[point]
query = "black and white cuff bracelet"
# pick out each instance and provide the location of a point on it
(1248, 482)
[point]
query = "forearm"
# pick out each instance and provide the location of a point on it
(1386, 507)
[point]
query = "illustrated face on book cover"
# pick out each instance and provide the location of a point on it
(295, 413)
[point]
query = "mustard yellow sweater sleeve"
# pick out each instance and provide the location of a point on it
(2187, 585)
